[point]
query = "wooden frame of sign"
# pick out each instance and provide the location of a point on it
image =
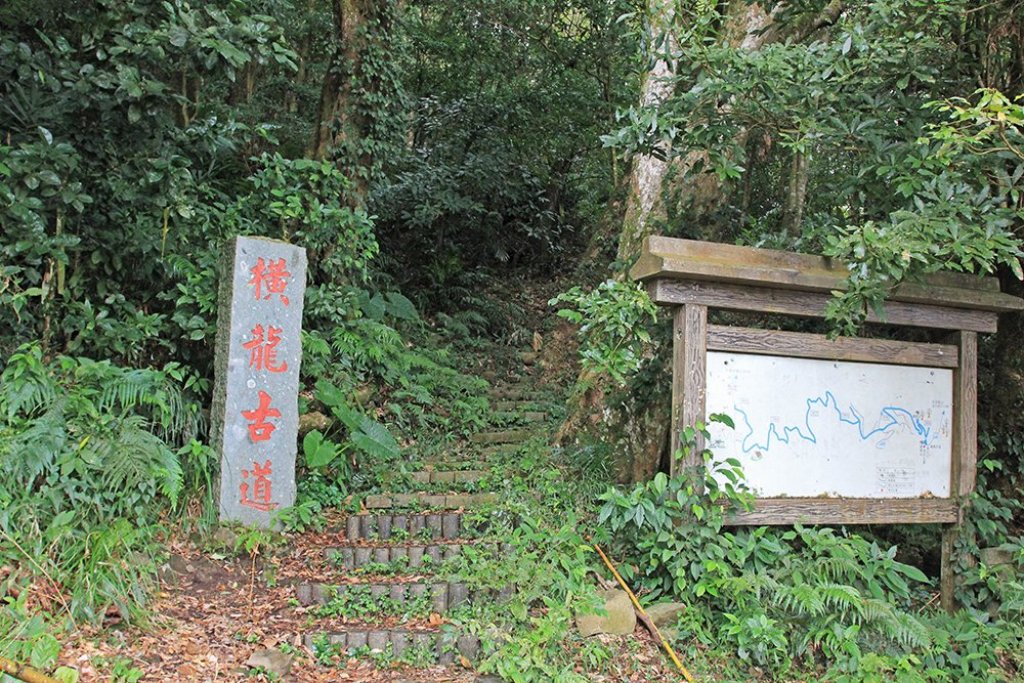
(694, 276)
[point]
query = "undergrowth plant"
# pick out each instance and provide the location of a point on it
(89, 464)
(614, 320)
(792, 600)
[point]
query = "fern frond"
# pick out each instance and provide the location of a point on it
(801, 600)
(27, 453)
(131, 457)
(841, 598)
(26, 385)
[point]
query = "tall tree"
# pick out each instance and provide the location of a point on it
(808, 125)
(360, 101)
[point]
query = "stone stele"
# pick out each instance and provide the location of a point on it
(254, 416)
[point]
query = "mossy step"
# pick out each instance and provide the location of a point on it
(449, 526)
(423, 499)
(498, 450)
(474, 456)
(444, 465)
(433, 645)
(410, 557)
(511, 406)
(506, 436)
(448, 476)
(439, 597)
(528, 357)
(451, 460)
(520, 416)
(510, 392)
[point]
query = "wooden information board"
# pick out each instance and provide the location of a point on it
(809, 427)
(830, 431)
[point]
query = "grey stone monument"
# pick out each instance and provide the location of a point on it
(255, 400)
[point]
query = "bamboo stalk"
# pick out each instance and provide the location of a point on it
(646, 619)
(24, 672)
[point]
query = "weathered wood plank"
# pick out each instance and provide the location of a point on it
(785, 511)
(689, 377)
(947, 569)
(665, 257)
(965, 400)
(812, 304)
(804, 345)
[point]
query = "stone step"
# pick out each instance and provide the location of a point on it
(524, 416)
(449, 526)
(430, 645)
(502, 437)
(400, 557)
(499, 450)
(510, 406)
(473, 456)
(425, 499)
(447, 462)
(441, 475)
(389, 598)
(510, 392)
(453, 459)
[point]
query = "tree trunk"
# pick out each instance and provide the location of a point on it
(796, 195)
(341, 123)
(644, 204)
(659, 192)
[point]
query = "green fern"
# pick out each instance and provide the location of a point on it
(88, 465)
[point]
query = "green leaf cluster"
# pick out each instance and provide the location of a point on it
(614, 326)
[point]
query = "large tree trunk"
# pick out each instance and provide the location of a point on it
(644, 203)
(342, 123)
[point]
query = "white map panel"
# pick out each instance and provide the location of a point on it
(808, 428)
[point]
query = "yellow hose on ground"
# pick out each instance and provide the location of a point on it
(23, 672)
(636, 604)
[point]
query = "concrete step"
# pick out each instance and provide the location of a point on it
(391, 598)
(440, 475)
(400, 558)
(519, 416)
(502, 437)
(473, 456)
(426, 644)
(455, 465)
(499, 450)
(432, 526)
(510, 406)
(510, 392)
(428, 500)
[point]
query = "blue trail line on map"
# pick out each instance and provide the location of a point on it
(891, 412)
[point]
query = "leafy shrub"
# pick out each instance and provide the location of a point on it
(614, 319)
(88, 465)
(780, 598)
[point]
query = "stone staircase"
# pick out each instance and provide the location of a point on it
(393, 580)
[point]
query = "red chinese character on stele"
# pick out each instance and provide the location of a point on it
(259, 428)
(260, 488)
(269, 278)
(263, 349)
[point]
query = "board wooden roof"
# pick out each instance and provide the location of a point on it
(671, 258)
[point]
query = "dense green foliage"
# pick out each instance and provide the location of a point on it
(836, 137)
(426, 155)
(91, 464)
(802, 600)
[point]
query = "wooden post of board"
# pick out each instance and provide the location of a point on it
(689, 369)
(965, 457)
